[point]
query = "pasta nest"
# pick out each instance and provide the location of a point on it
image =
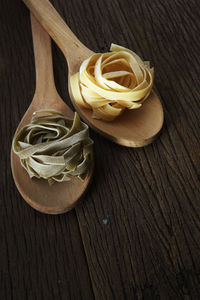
(54, 147)
(111, 82)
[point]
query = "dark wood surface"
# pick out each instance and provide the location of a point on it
(136, 235)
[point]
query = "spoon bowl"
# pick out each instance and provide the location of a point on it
(60, 197)
(134, 128)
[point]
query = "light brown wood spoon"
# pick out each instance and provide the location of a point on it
(60, 197)
(134, 128)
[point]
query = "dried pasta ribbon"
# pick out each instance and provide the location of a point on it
(54, 147)
(111, 82)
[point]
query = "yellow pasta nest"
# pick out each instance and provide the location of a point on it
(109, 83)
(54, 147)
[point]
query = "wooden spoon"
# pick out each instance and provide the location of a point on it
(60, 197)
(134, 128)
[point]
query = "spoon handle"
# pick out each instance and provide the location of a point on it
(49, 18)
(43, 59)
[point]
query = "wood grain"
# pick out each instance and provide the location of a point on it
(139, 222)
(149, 247)
(41, 257)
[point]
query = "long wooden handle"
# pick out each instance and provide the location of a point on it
(43, 58)
(49, 18)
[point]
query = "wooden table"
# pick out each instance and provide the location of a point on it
(136, 235)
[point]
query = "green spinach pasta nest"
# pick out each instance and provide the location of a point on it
(54, 147)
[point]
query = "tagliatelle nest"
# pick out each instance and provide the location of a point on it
(109, 83)
(54, 147)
